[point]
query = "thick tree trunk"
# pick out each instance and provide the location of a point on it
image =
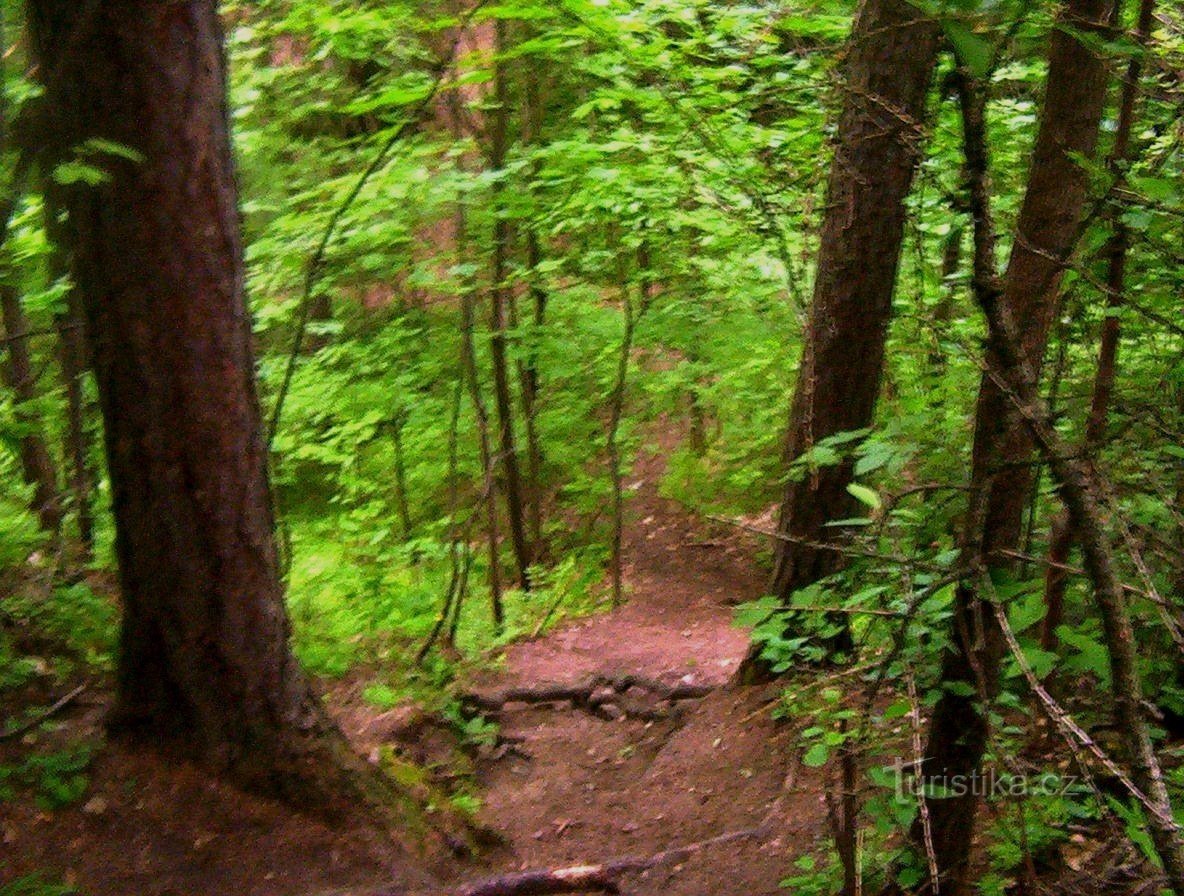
(893, 51)
(1001, 463)
(37, 464)
(204, 664)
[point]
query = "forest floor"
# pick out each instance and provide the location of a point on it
(572, 782)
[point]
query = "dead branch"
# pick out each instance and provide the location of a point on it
(43, 716)
(605, 877)
(594, 695)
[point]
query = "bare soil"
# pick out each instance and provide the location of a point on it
(566, 786)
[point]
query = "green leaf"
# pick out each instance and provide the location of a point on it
(972, 51)
(865, 495)
(817, 755)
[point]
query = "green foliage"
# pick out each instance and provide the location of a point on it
(35, 885)
(78, 620)
(672, 154)
(57, 779)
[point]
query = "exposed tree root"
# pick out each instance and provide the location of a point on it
(603, 696)
(603, 877)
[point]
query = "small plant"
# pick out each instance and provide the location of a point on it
(475, 731)
(35, 885)
(58, 779)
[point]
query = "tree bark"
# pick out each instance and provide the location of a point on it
(893, 51)
(205, 666)
(503, 402)
(1046, 232)
(1114, 253)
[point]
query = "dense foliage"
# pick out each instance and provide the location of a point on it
(643, 185)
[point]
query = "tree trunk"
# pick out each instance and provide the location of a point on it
(503, 402)
(37, 464)
(204, 666)
(1178, 579)
(532, 122)
(1047, 229)
(893, 51)
(75, 361)
(1063, 535)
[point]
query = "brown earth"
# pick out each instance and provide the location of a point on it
(566, 786)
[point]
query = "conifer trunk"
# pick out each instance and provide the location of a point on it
(892, 54)
(204, 662)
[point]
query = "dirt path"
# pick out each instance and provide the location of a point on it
(581, 788)
(572, 787)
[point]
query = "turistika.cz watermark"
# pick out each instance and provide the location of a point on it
(987, 783)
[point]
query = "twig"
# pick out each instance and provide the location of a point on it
(43, 716)
(922, 802)
(1073, 734)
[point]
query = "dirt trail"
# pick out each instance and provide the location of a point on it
(569, 787)
(580, 788)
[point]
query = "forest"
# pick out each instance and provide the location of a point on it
(497, 447)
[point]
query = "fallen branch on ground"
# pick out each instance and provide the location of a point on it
(43, 716)
(603, 877)
(594, 695)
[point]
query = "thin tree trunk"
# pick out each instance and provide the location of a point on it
(37, 464)
(503, 401)
(204, 664)
(1178, 584)
(892, 54)
(616, 411)
(1047, 229)
(75, 361)
(471, 376)
(529, 375)
(951, 259)
(484, 442)
(1081, 490)
(1063, 535)
(401, 500)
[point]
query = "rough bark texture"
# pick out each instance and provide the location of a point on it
(204, 661)
(1046, 232)
(37, 464)
(892, 54)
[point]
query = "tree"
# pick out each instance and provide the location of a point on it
(136, 92)
(499, 317)
(892, 54)
(1114, 255)
(1046, 231)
